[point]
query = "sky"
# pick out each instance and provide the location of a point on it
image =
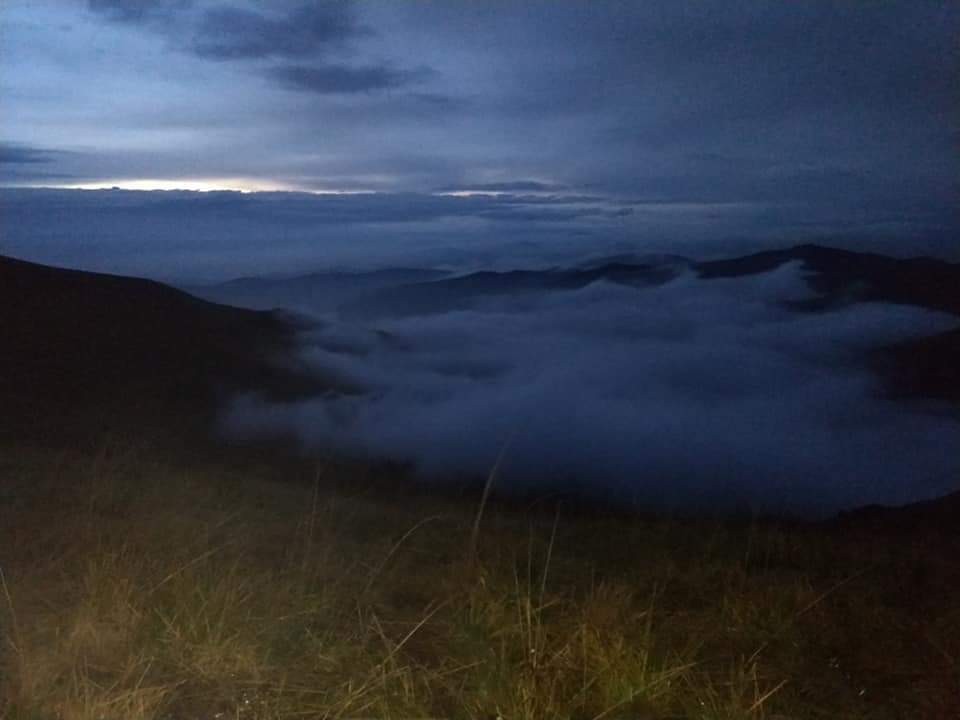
(663, 121)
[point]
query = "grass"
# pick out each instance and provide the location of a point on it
(139, 588)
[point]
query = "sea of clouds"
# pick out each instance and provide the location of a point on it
(696, 394)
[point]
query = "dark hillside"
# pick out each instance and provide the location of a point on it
(847, 275)
(78, 343)
(927, 367)
(462, 292)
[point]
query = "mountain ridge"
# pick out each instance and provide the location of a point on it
(76, 340)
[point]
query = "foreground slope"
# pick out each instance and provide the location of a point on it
(134, 589)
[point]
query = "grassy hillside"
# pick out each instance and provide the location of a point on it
(136, 588)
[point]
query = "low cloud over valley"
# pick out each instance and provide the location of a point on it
(688, 393)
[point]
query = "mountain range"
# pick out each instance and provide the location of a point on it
(836, 276)
(928, 367)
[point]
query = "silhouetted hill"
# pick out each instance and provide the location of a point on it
(459, 293)
(836, 276)
(313, 292)
(845, 276)
(940, 515)
(926, 367)
(78, 342)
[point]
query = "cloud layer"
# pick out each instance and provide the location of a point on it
(823, 114)
(303, 36)
(692, 395)
(190, 237)
(306, 30)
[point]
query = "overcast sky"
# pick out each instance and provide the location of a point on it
(814, 116)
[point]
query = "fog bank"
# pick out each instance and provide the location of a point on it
(695, 394)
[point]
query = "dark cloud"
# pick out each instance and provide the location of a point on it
(774, 86)
(26, 164)
(308, 30)
(437, 101)
(304, 31)
(23, 154)
(28, 174)
(228, 32)
(340, 79)
(511, 186)
(740, 62)
(138, 11)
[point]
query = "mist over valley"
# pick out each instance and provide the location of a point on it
(760, 383)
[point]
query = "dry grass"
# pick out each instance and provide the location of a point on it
(135, 590)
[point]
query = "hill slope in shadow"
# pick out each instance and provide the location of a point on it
(79, 343)
(925, 367)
